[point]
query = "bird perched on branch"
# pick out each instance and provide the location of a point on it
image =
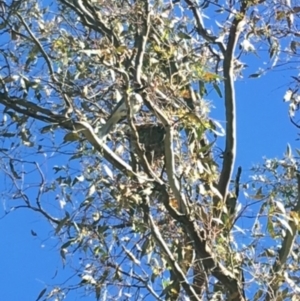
(120, 111)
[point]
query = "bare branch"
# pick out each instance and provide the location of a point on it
(30, 109)
(137, 277)
(230, 106)
(201, 28)
(35, 111)
(38, 44)
(92, 18)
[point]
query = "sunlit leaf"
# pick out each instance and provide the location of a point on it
(285, 224)
(96, 216)
(90, 52)
(131, 256)
(280, 206)
(108, 171)
(88, 279)
(247, 46)
(92, 190)
(217, 128)
(78, 179)
(147, 246)
(288, 95)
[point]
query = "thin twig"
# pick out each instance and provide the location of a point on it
(38, 44)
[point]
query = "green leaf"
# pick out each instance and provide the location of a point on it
(270, 228)
(293, 46)
(147, 247)
(64, 247)
(76, 156)
(58, 168)
(61, 224)
(255, 75)
(231, 204)
(183, 35)
(217, 89)
(202, 89)
(274, 47)
(46, 129)
(259, 195)
(71, 137)
(288, 152)
(98, 291)
(78, 179)
(43, 291)
(8, 135)
(258, 294)
(285, 225)
(67, 244)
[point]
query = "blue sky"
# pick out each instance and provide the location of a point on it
(264, 128)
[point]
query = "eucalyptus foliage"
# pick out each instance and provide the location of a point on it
(155, 210)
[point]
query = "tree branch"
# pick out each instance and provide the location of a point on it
(31, 109)
(200, 26)
(203, 252)
(230, 106)
(170, 258)
(286, 248)
(205, 255)
(169, 157)
(86, 129)
(40, 47)
(92, 19)
(141, 42)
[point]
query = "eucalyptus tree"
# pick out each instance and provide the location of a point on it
(106, 104)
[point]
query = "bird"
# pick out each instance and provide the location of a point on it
(120, 111)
